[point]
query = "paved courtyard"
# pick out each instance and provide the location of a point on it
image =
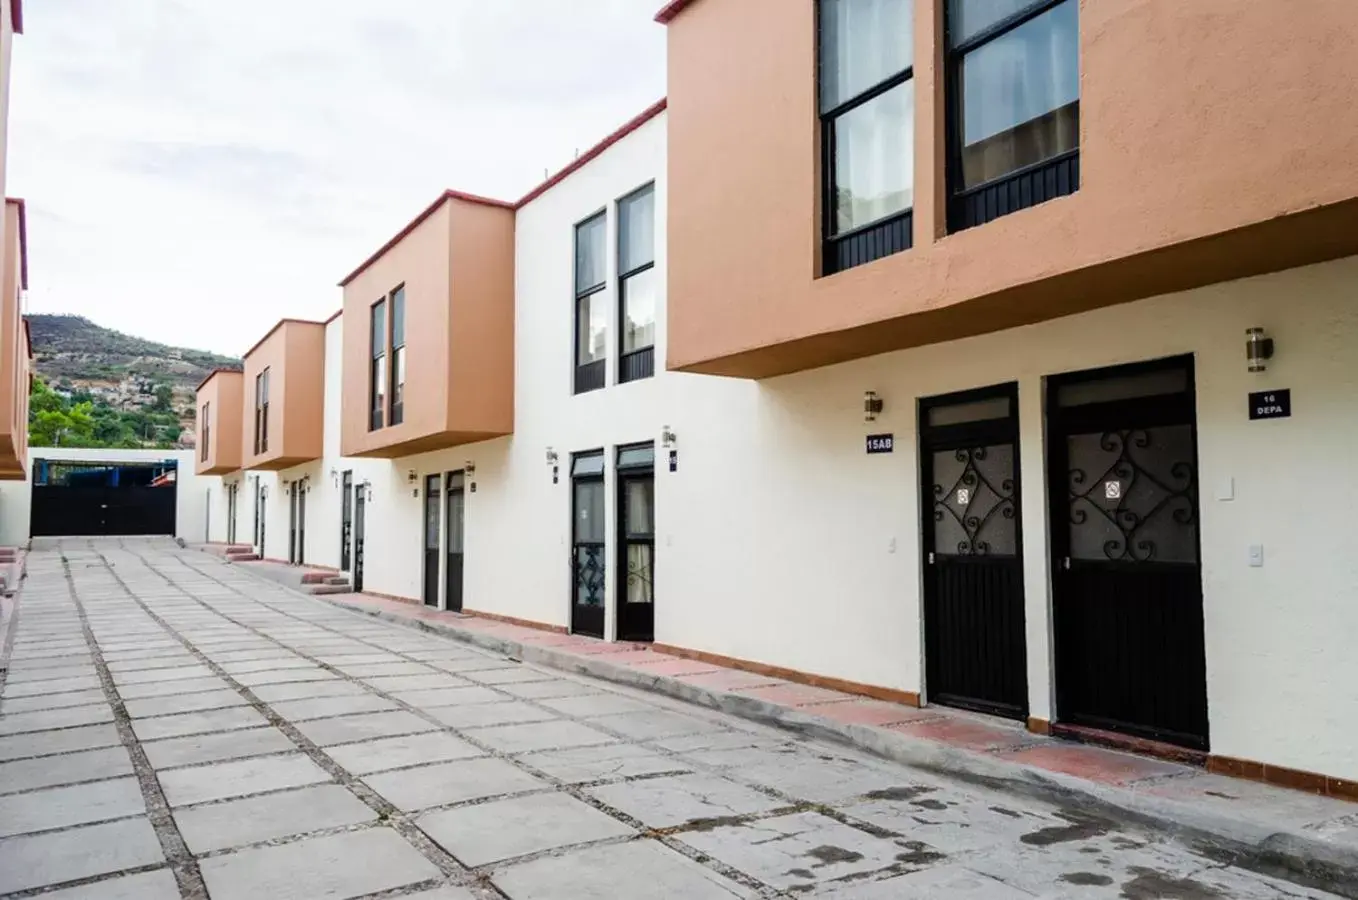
(173, 726)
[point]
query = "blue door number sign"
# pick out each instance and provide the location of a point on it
(1271, 404)
(881, 443)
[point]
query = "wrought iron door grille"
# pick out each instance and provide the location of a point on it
(590, 570)
(974, 510)
(1133, 495)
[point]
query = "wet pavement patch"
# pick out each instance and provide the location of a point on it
(1151, 885)
(1082, 827)
(1086, 879)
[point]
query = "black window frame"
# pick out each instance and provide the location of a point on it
(638, 363)
(377, 354)
(262, 411)
(871, 241)
(1024, 187)
(396, 388)
(205, 418)
(591, 375)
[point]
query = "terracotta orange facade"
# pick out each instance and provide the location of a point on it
(1195, 165)
(221, 417)
(434, 310)
(15, 348)
(283, 389)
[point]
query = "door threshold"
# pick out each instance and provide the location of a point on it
(1141, 746)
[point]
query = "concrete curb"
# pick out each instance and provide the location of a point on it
(1291, 853)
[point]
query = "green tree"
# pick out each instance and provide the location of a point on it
(164, 396)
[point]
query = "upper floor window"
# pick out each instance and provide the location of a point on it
(206, 418)
(377, 367)
(867, 113)
(262, 412)
(591, 303)
(637, 284)
(398, 355)
(1014, 133)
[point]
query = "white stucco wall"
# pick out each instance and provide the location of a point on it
(191, 510)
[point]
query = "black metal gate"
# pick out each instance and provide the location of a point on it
(588, 563)
(74, 498)
(346, 520)
(360, 501)
(454, 539)
(974, 640)
(636, 543)
(1127, 584)
(432, 494)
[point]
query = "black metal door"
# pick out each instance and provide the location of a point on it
(293, 491)
(455, 538)
(974, 640)
(346, 520)
(431, 540)
(1127, 584)
(588, 564)
(359, 503)
(231, 490)
(636, 543)
(75, 498)
(302, 491)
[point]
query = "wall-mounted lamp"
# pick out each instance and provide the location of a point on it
(668, 439)
(872, 406)
(1258, 349)
(263, 492)
(368, 490)
(334, 477)
(552, 457)
(411, 476)
(469, 468)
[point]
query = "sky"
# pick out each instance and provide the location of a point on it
(197, 169)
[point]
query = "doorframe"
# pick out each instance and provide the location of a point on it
(619, 534)
(347, 527)
(945, 437)
(1178, 408)
(573, 480)
(440, 602)
(447, 492)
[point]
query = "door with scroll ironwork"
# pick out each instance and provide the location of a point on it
(973, 562)
(1127, 583)
(588, 560)
(636, 543)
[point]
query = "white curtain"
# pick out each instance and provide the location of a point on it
(863, 42)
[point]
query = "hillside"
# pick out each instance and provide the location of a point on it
(120, 373)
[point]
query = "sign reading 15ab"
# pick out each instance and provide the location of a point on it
(881, 443)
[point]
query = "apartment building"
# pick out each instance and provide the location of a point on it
(15, 348)
(968, 353)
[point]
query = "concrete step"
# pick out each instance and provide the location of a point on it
(338, 579)
(329, 589)
(242, 557)
(315, 577)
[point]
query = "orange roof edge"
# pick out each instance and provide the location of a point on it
(671, 9)
(335, 315)
(23, 239)
(268, 334)
(16, 15)
(416, 222)
(579, 162)
(213, 374)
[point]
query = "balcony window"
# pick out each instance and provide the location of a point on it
(205, 418)
(262, 412)
(1014, 95)
(377, 370)
(867, 112)
(398, 355)
(591, 303)
(637, 285)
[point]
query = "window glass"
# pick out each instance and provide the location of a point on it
(875, 159)
(592, 324)
(590, 264)
(398, 360)
(863, 43)
(636, 230)
(967, 18)
(592, 464)
(398, 317)
(974, 411)
(379, 381)
(636, 457)
(640, 507)
(589, 512)
(1157, 383)
(378, 340)
(1020, 96)
(638, 304)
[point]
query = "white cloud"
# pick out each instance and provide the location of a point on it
(196, 169)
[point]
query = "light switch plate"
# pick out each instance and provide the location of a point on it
(1226, 488)
(1256, 555)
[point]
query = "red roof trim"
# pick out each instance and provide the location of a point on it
(213, 374)
(417, 221)
(23, 240)
(280, 324)
(335, 315)
(16, 15)
(671, 9)
(594, 152)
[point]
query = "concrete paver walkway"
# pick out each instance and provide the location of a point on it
(172, 726)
